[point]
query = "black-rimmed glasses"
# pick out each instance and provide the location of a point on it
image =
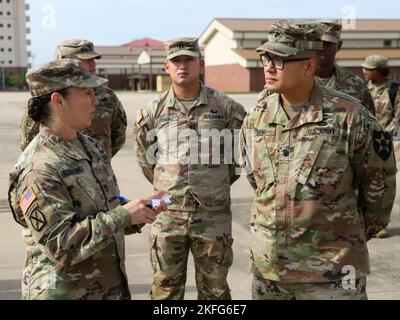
(278, 62)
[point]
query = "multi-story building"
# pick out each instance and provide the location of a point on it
(13, 43)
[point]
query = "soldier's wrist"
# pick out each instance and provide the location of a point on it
(121, 217)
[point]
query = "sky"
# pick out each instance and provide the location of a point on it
(115, 22)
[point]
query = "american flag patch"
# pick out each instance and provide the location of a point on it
(28, 198)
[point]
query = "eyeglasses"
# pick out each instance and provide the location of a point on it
(277, 62)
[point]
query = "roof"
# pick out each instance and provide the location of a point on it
(145, 42)
(361, 25)
(353, 54)
(248, 54)
(117, 51)
(117, 61)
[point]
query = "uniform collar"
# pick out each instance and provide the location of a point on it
(173, 102)
(311, 113)
(60, 144)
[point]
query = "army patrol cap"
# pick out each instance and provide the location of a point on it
(331, 30)
(182, 47)
(375, 62)
(287, 38)
(60, 74)
(77, 49)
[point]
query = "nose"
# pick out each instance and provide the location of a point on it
(270, 67)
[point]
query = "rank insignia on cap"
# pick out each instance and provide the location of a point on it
(37, 219)
(27, 199)
(382, 144)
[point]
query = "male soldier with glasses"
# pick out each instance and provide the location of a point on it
(323, 171)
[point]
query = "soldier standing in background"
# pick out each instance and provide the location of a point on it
(331, 75)
(323, 171)
(386, 98)
(199, 218)
(109, 120)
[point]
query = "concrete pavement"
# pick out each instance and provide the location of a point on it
(383, 283)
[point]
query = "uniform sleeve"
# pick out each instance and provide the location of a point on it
(372, 160)
(394, 126)
(145, 144)
(236, 118)
(118, 127)
(246, 154)
(49, 213)
(368, 101)
(29, 130)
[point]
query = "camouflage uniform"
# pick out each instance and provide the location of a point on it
(324, 182)
(199, 218)
(63, 194)
(342, 79)
(386, 113)
(109, 119)
(347, 82)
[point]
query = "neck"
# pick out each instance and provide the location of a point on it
(299, 95)
(326, 72)
(62, 130)
(187, 92)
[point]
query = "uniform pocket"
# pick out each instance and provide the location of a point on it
(154, 256)
(323, 167)
(263, 169)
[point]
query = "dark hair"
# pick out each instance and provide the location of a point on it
(383, 71)
(38, 107)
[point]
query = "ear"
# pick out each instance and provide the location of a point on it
(57, 100)
(311, 67)
(166, 66)
(202, 66)
(339, 45)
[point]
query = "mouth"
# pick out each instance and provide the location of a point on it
(270, 80)
(183, 74)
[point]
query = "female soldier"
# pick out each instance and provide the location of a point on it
(63, 192)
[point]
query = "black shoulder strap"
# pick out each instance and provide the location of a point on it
(394, 87)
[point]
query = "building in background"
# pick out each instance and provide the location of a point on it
(232, 64)
(14, 44)
(134, 65)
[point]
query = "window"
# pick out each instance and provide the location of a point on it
(8, 13)
(2, 49)
(387, 43)
(1, 38)
(10, 61)
(9, 25)
(9, 50)
(9, 37)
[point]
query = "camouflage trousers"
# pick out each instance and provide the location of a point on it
(264, 289)
(208, 236)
